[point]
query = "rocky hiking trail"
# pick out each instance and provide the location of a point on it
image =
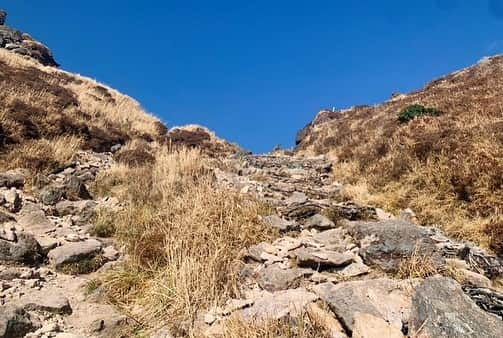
(44, 242)
(339, 263)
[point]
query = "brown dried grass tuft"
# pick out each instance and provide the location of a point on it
(181, 234)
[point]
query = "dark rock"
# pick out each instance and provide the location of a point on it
(387, 243)
(51, 194)
(441, 309)
(25, 250)
(488, 300)
(6, 216)
(84, 209)
(3, 17)
(14, 322)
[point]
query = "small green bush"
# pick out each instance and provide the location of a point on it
(416, 110)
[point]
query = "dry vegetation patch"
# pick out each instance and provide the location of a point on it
(44, 107)
(182, 235)
(448, 168)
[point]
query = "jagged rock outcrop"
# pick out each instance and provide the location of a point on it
(23, 44)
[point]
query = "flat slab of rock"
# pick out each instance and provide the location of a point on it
(368, 326)
(74, 252)
(32, 218)
(47, 300)
(387, 243)
(274, 278)
(280, 304)
(279, 223)
(321, 259)
(441, 309)
(383, 298)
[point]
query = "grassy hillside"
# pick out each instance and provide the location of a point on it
(447, 168)
(46, 114)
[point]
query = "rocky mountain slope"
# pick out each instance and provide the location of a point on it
(23, 44)
(447, 168)
(111, 225)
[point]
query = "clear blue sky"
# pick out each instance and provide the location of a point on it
(258, 71)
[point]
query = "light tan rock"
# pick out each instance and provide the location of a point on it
(368, 326)
(324, 319)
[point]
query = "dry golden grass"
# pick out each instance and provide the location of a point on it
(299, 328)
(448, 169)
(38, 155)
(181, 235)
(41, 105)
(418, 265)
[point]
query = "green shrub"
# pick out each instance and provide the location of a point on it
(416, 110)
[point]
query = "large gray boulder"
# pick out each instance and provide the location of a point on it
(441, 309)
(24, 250)
(387, 243)
(15, 322)
(383, 298)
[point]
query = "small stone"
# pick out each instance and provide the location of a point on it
(210, 318)
(110, 253)
(296, 198)
(318, 222)
(279, 223)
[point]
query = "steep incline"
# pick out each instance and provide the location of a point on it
(447, 168)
